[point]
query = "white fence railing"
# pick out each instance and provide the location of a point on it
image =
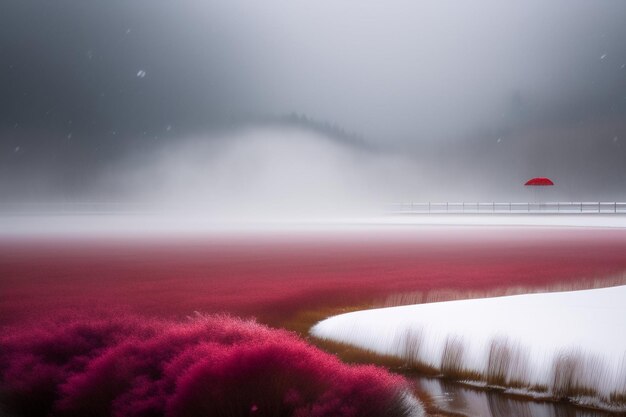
(568, 207)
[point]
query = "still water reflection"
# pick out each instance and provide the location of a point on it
(456, 398)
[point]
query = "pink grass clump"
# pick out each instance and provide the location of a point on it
(209, 366)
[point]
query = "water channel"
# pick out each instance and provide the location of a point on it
(461, 399)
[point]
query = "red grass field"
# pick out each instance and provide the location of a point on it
(274, 276)
(93, 325)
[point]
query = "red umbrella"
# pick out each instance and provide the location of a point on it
(541, 181)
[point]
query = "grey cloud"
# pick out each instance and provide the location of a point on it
(88, 84)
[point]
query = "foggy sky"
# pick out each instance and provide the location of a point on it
(85, 84)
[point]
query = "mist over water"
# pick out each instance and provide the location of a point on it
(262, 173)
(183, 104)
(294, 172)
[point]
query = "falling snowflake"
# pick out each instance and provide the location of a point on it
(499, 140)
(141, 74)
(603, 56)
(17, 149)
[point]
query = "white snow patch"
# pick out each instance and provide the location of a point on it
(565, 342)
(108, 219)
(610, 220)
(413, 406)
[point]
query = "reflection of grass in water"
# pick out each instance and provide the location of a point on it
(454, 399)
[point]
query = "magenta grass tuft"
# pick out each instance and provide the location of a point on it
(210, 366)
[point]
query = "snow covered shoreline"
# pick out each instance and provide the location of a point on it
(123, 223)
(562, 345)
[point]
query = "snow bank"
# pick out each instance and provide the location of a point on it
(565, 345)
(104, 221)
(604, 220)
